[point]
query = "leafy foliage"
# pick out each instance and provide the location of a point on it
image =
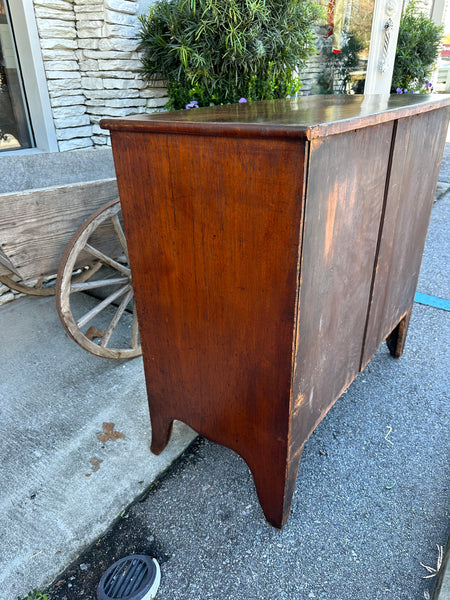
(418, 48)
(218, 51)
(35, 595)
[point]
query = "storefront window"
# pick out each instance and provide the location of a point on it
(344, 46)
(15, 129)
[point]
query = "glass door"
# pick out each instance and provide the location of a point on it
(344, 46)
(356, 46)
(15, 128)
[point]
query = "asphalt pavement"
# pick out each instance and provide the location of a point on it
(370, 510)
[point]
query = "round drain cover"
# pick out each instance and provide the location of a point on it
(134, 577)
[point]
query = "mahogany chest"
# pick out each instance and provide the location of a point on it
(273, 246)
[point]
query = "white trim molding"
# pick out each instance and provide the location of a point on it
(383, 44)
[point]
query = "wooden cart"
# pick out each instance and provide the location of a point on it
(69, 239)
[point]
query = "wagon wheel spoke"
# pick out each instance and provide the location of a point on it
(115, 320)
(98, 283)
(134, 329)
(120, 235)
(87, 273)
(40, 283)
(100, 307)
(107, 260)
(109, 327)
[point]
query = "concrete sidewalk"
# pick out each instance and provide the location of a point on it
(368, 507)
(61, 487)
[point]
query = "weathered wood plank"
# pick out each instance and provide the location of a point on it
(36, 225)
(6, 267)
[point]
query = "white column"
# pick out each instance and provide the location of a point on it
(383, 43)
(438, 11)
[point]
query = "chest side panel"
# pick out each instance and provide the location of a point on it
(417, 155)
(344, 203)
(213, 232)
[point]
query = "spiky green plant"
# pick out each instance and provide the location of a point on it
(217, 51)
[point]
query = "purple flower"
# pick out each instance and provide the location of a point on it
(192, 104)
(307, 94)
(411, 91)
(399, 90)
(405, 91)
(242, 100)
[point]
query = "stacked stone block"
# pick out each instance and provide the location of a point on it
(310, 75)
(92, 66)
(7, 295)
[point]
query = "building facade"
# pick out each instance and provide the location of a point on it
(77, 61)
(65, 64)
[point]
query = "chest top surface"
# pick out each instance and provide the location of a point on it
(306, 117)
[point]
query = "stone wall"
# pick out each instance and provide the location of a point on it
(91, 61)
(89, 48)
(7, 295)
(310, 75)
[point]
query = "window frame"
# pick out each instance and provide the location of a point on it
(29, 53)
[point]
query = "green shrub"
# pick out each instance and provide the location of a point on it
(218, 51)
(418, 47)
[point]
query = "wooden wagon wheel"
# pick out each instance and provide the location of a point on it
(100, 241)
(44, 286)
(34, 288)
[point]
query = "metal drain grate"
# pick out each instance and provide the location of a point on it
(131, 578)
